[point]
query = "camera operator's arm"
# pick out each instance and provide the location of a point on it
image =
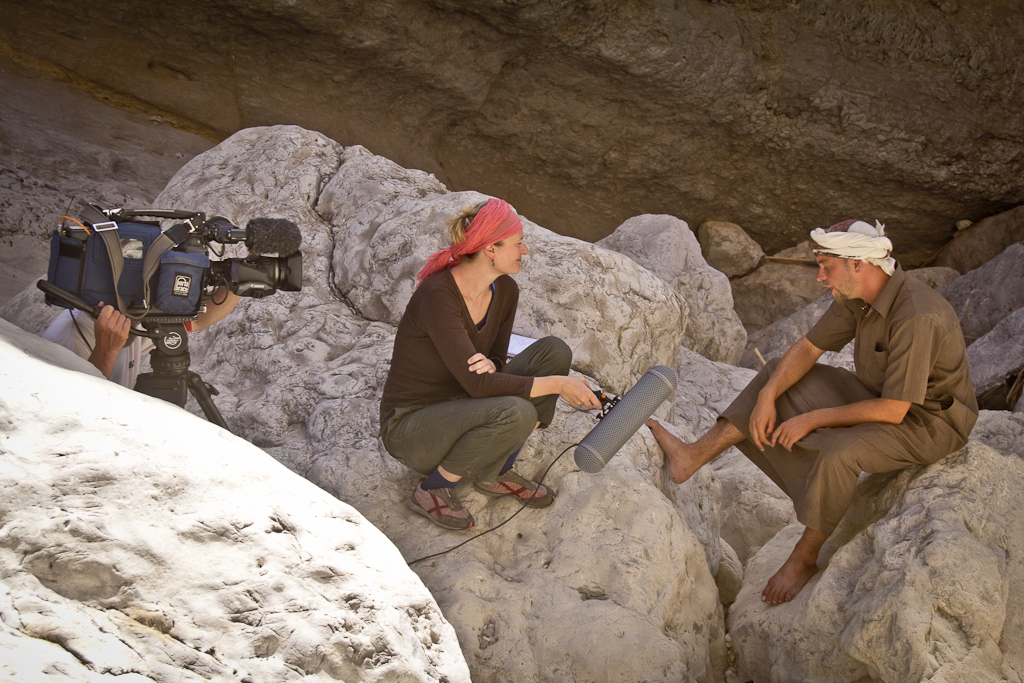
(111, 330)
(216, 312)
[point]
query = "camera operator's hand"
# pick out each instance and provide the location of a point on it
(111, 329)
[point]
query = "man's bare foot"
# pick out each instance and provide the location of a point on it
(788, 581)
(683, 459)
(797, 570)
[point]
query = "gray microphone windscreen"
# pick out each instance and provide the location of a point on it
(622, 421)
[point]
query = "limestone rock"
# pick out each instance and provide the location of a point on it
(728, 248)
(666, 246)
(919, 583)
(730, 575)
(986, 295)
(776, 290)
(1000, 430)
(774, 340)
(755, 509)
(584, 114)
(28, 310)
(996, 360)
(142, 543)
(935, 277)
(985, 240)
(301, 374)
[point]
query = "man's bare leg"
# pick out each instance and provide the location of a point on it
(686, 458)
(797, 570)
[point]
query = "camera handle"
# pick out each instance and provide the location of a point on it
(65, 297)
(171, 377)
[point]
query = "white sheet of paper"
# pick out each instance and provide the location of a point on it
(517, 343)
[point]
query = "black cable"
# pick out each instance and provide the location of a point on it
(522, 507)
(80, 333)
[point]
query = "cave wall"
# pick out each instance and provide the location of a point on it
(778, 115)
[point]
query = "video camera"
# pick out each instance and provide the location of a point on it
(152, 274)
(159, 278)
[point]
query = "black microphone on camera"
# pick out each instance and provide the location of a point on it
(625, 415)
(273, 236)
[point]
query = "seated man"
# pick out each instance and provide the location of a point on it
(813, 428)
(105, 341)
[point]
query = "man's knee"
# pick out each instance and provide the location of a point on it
(845, 456)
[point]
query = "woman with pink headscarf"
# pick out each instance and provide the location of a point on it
(452, 407)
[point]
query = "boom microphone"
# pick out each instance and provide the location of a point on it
(622, 421)
(273, 236)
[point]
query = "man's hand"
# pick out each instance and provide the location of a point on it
(111, 331)
(794, 429)
(481, 364)
(762, 422)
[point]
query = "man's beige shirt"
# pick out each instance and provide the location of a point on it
(909, 347)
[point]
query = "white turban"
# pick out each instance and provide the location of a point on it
(860, 242)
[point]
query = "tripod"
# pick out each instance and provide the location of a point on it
(170, 378)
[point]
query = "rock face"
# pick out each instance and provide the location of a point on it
(666, 246)
(774, 340)
(300, 375)
(728, 248)
(778, 116)
(142, 543)
(997, 360)
(985, 240)
(776, 290)
(986, 295)
(921, 583)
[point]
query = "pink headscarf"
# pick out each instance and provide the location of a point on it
(493, 223)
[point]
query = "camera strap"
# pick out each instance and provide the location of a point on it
(107, 230)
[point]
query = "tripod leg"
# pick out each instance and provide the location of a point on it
(201, 390)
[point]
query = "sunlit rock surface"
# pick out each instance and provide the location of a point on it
(140, 542)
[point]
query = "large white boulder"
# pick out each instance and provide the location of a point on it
(615, 577)
(142, 543)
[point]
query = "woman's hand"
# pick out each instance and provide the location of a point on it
(481, 364)
(576, 392)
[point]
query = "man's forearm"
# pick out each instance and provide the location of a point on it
(884, 410)
(103, 360)
(216, 312)
(799, 359)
